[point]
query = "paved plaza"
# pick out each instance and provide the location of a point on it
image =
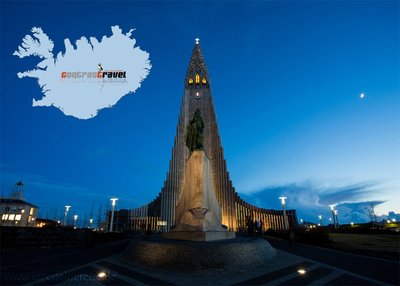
(286, 269)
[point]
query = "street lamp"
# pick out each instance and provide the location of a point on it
(337, 220)
(90, 222)
(333, 216)
(113, 200)
(75, 219)
(320, 219)
(285, 226)
(66, 214)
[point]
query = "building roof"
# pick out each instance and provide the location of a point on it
(16, 201)
(197, 64)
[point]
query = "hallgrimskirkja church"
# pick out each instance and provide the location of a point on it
(159, 214)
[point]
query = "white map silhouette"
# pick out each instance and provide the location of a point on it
(84, 97)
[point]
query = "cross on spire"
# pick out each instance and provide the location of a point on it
(197, 41)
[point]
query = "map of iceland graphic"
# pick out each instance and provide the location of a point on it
(88, 77)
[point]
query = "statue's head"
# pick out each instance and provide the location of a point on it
(197, 113)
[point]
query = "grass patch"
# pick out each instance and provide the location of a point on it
(379, 245)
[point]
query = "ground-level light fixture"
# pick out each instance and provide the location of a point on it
(101, 275)
(301, 271)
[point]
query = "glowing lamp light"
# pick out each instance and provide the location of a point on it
(301, 271)
(101, 275)
(285, 222)
(113, 200)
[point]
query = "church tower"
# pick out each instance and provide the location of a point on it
(197, 95)
(159, 215)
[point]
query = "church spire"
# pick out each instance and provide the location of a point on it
(197, 73)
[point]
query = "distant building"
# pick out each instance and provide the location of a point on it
(44, 222)
(15, 211)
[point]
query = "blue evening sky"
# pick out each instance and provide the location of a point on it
(286, 80)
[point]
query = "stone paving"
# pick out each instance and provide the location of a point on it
(286, 269)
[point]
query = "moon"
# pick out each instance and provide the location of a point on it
(362, 95)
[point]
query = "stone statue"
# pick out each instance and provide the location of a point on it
(194, 132)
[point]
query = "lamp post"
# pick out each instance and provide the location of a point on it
(113, 200)
(66, 214)
(75, 219)
(320, 220)
(90, 222)
(337, 220)
(333, 215)
(285, 226)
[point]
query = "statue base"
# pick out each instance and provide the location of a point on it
(199, 235)
(198, 257)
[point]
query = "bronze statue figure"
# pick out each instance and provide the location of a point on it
(194, 132)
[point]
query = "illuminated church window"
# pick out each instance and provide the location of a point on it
(190, 81)
(204, 81)
(197, 78)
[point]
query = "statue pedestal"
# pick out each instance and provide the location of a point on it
(199, 258)
(198, 214)
(199, 235)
